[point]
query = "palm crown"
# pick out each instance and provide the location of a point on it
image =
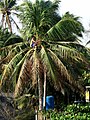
(7, 8)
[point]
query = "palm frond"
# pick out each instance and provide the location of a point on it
(88, 42)
(66, 75)
(8, 52)
(63, 70)
(11, 3)
(15, 23)
(40, 14)
(65, 29)
(51, 70)
(1, 5)
(67, 52)
(24, 74)
(15, 46)
(11, 66)
(20, 82)
(34, 70)
(16, 70)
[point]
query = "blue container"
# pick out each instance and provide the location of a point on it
(49, 102)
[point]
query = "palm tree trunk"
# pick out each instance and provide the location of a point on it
(44, 99)
(40, 92)
(9, 23)
(2, 21)
(40, 86)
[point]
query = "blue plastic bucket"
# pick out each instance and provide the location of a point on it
(49, 102)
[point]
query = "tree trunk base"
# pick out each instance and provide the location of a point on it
(40, 116)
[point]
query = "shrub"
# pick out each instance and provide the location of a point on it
(71, 112)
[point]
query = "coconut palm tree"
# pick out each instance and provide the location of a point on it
(6, 38)
(7, 8)
(48, 56)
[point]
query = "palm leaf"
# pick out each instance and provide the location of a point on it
(88, 42)
(38, 16)
(69, 79)
(11, 66)
(24, 75)
(67, 52)
(15, 23)
(34, 70)
(47, 61)
(11, 3)
(65, 29)
(1, 5)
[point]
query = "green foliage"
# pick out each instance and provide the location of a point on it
(4, 35)
(61, 31)
(71, 112)
(26, 114)
(7, 7)
(41, 18)
(86, 76)
(38, 17)
(7, 110)
(24, 63)
(7, 38)
(25, 105)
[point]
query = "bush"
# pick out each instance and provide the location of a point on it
(71, 112)
(25, 107)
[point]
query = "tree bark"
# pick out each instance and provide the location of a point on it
(44, 98)
(40, 92)
(40, 86)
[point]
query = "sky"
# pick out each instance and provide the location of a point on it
(78, 8)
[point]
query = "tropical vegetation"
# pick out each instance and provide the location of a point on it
(7, 9)
(71, 112)
(48, 53)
